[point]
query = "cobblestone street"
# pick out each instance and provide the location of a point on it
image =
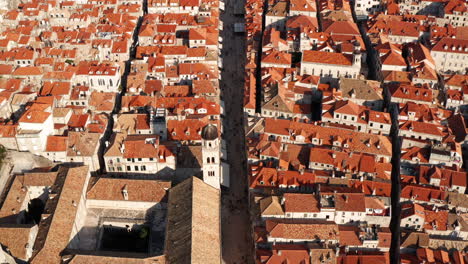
(237, 240)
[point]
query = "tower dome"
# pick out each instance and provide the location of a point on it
(209, 132)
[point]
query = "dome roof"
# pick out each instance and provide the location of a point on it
(209, 132)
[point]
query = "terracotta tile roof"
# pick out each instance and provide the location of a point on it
(393, 58)
(340, 27)
(409, 210)
(78, 120)
(385, 238)
(308, 79)
(288, 253)
(38, 178)
(360, 89)
(397, 76)
(339, 5)
(102, 101)
(423, 112)
(302, 21)
(425, 72)
(396, 28)
(447, 176)
(197, 33)
(187, 104)
(138, 190)
(188, 129)
(34, 116)
(176, 90)
(419, 53)
(279, 9)
(457, 80)
(423, 127)
(414, 239)
(136, 101)
(352, 202)
(56, 144)
(300, 203)
(416, 154)
(78, 92)
(13, 203)
(98, 70)
(59, 227)
(410, 92)
(271, 205)
(303, 5)
(152, 87)
(200, 87)
(373, 188)
(357, 142)
(27, 71)
(8, 131)
(364, 257)
(131, 123)
(349, 236)
(321, 57)
(302, 230)
(16, 239)
(201, 70)
(421, 193)
(10, 84)
(55, 88)
(6, 69)
(264, 177)
(344, 161)
(453, 6)
(98, 123)
(139, 146)
(435, 220)
(198, 52)
(451, 45)
(195, 207)
(374, 203)
(120, 46)
(44, 61)
(12, 15)
(457, 125)
(277, 57)
(82, 144)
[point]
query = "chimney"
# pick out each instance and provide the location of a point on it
(125, 192)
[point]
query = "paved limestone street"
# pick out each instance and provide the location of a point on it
(236, 234)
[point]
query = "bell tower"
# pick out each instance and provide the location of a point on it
(211, 155)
